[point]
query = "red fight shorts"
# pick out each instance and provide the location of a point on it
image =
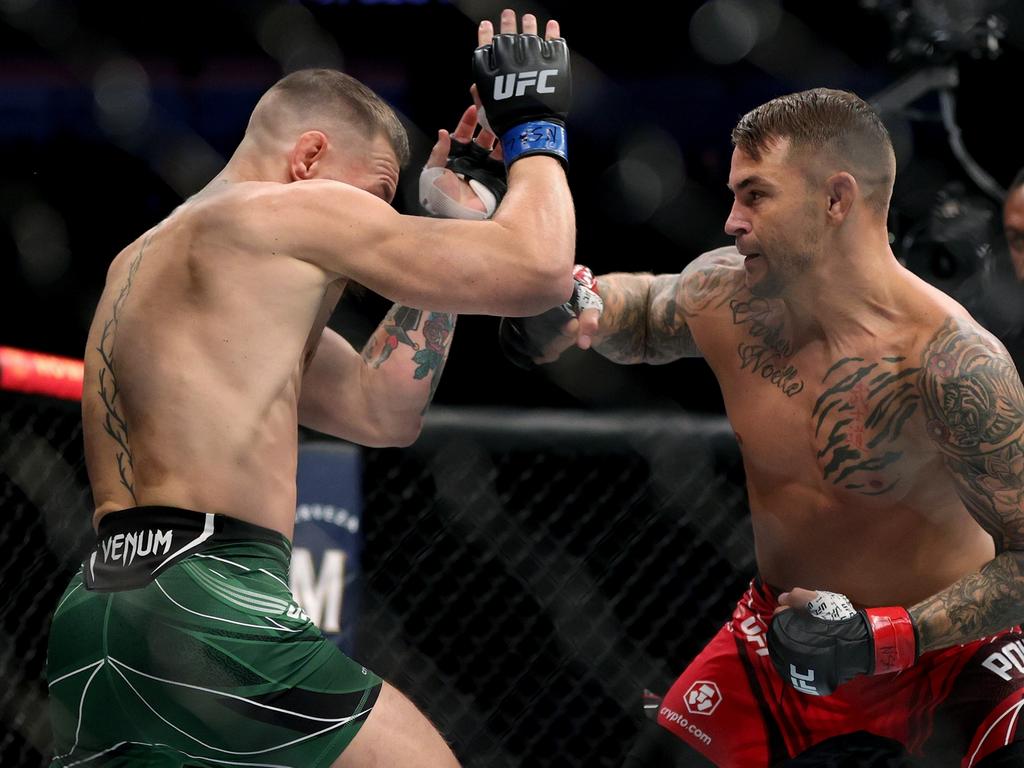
(953, 707)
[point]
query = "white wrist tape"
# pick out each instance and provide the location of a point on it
(831, 606)
(585, 294)
(486, 196)
(440, 204)
(588, 299)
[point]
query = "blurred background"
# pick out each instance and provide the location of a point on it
(113, 113)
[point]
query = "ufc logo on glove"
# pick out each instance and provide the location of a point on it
(830, 643)
(803, 681)
(504, 85)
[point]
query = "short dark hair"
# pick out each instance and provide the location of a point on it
(310, 90)
(824, 120)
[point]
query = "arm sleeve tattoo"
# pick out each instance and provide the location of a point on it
(974, 403)
(645, 316)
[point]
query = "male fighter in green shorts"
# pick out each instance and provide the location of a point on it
(179, 643)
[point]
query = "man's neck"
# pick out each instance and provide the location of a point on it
(246, 164)
(851, 296)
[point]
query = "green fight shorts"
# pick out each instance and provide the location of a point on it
(179, 643)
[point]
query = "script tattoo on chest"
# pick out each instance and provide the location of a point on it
(858, 419)
(767, 355)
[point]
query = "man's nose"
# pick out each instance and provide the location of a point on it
(736, 224)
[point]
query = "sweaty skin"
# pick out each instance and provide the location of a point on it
(194, 367)
(882, 429)
(208, 345)
(845, 485)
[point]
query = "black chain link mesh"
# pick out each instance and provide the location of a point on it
(45, 512)
(525, 577)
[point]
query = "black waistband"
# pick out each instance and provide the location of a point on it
(766, 590)
(134, 545)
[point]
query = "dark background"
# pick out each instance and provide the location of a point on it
(522, 584)
(112, 113)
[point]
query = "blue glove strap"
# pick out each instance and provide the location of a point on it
(536, 137)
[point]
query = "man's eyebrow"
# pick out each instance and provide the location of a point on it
(749, 180)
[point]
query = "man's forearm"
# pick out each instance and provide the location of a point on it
(976, 605)
(621, 335)
(407, 354)
(644, 319)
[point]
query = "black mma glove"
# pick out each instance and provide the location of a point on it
(473, 163)
(818, 650)
(524, 338)
(525, 87)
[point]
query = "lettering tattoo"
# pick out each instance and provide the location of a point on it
(974, 404)
(114, 422)
(766, 356)
(860, 416)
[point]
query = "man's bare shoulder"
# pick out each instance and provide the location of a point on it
(711, 280)
(725, 257)
(935, 311)
(319, 222)
(968, 381)
(257, 206)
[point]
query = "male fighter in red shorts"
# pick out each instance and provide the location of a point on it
(882, 433)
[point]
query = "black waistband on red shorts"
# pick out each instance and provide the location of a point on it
(133, 546)
(765, 597)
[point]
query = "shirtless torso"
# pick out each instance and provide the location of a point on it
(208, 348)
(847, 489)
(196, 357)
(882, 434)
(883, 464)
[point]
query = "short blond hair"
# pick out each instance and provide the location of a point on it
(341, 97)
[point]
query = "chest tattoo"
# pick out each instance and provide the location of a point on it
(858, 419)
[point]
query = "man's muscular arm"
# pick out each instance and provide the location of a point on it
(645, 315)
(516, 263)
(642, 321)
(402, 361)
(645, 318)
(975, 407)
(974, 403)
(378, 398)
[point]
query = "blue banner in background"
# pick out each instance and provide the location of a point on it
(328, 543)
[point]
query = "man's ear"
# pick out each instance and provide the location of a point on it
(842, 189)
(307, 152)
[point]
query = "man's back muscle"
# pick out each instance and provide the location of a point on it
(193, 369)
